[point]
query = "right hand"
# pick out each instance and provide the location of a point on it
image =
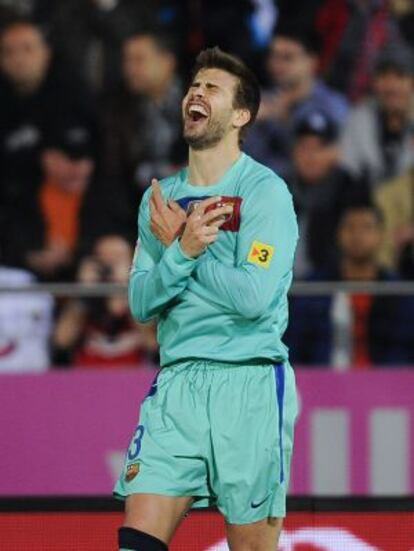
(202, 227)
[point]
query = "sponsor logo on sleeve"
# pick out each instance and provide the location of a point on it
(261, 254)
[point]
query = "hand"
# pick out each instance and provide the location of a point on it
(202, 227)
(167, 220)
(88, 272)
(50, 259)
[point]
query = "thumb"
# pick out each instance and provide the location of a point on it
(174, 206)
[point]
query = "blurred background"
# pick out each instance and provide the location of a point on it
(90, 94)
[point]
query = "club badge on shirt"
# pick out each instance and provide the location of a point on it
(232, 222)
(260, 254)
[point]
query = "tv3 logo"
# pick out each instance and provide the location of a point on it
(323, 539)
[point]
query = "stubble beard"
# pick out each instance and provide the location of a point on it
(214, 133)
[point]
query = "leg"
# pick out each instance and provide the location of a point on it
(257, 536)
(156, 515)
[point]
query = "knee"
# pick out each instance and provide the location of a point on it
(261, 536)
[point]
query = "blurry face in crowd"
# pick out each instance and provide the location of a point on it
(70, 174)
(146, 68)
(289, 63)
(208, 109)
(360, 235)
(115, 254)
(313, 159)
(24, 57)
(394, 91)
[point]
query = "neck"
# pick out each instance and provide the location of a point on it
(160, 90)
(206, 167)
(301, 89)
(397, 121)
(366, 270)
(27, 88)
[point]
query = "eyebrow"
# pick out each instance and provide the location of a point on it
(208, 84)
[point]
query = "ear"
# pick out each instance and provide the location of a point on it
(241, 117)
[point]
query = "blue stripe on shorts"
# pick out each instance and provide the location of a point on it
(280, 393)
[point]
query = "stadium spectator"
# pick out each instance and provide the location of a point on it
(396, 201)
(100, 332)
(403, 11)
(67, 174)
(292, 65)
(89, 34)
(141, 127)
(378, 137)
(358, 330)
(353, 33)
(321, 190)
(39, 101)
(26, 325)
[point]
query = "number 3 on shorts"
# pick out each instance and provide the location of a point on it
(135, 446)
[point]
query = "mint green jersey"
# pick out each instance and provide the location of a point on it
(230, 303)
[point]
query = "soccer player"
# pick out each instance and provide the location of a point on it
(213, 265)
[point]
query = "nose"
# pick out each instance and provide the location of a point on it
(199, 92)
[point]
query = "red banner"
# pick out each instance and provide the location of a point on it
(205, 532)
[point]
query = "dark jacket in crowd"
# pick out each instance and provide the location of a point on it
(62, 110)
(141, 140)
(318, 208)
(389, 326)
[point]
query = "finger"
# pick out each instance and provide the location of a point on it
(201, 207)
(210, 239)
(156, 194)
(210, 230)
(215, 213)
(154, 213)
(153, 210)
(174, 206)
(218, 222)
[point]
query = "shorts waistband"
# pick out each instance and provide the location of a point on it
(214, 364)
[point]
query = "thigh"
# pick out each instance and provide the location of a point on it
(257, 536)
(156, 515)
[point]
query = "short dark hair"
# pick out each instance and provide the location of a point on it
(164, 42)
(247, 94)
(307, 37)
(364, 206)
(16, 22)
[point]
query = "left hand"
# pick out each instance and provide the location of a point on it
(167, 219)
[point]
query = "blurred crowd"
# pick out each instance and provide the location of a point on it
(90, 111)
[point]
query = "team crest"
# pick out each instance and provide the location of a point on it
(191, 207)
(131, 472)
(260, 254)
(231, 221)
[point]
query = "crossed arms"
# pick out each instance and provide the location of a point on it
(161, 274)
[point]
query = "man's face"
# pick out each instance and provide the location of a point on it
(115, 254)
(24, 56)
(314, 159)
(208, 108)
(359, 235)
(394, 91)
(145, 66)
(289, 63)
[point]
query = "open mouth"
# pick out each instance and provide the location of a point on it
(197, 112)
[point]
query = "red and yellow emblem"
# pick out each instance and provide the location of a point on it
(131, 472)
(261, 254)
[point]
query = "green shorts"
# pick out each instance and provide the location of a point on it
(220, 433)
